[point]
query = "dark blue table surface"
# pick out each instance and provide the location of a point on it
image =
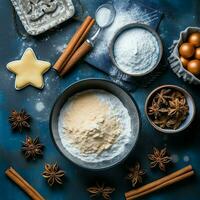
(184, 147)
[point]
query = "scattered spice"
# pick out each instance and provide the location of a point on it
(19, 120)
(159, 158)
(135, 174)
(32, 148)
(168, 109)
(101, 190)
(53, 174)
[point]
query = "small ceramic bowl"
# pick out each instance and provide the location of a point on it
(125, 28)
(174, 59)
(108, 86)
(185, 124)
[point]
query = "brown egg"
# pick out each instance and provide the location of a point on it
(194, 67)
(184, 61)
(197, 53)
(186, 50)
(194, 39)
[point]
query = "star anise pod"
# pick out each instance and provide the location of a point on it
(161, 122)
(174, 123)
(177, 94)
(53, 174)
(155, 109)
(19, 120)
(135, 174)
(163, 96)
(159, 158)
(101, 190)
(32, 148)
(178, 107)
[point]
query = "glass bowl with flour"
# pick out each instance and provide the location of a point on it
(94, 128)
(136, 49)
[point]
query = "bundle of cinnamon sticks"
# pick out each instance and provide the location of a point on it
(69, 58)
(160, 183)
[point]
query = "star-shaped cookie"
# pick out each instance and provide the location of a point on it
(29, 70)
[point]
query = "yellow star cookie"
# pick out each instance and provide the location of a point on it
(29, 70)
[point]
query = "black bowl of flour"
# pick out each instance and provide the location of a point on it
(112, 155)
(136, 49)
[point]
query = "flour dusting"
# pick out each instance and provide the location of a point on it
(175, 158)
(186, 158)
(39, 106)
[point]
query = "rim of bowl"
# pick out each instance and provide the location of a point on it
(104, 80)
(129, 26)
(185, 93)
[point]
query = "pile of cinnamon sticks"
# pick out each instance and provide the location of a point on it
(160, 183)
(69, 57)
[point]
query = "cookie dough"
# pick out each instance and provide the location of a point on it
(29, 70)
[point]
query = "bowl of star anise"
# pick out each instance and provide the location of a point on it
(170, 109)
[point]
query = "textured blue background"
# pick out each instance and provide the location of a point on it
(185, 147)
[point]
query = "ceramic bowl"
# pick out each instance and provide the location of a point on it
(185, 124)
(108, 86)
(174, 59)
(125, 28)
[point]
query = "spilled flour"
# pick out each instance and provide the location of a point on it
(94, 126)
(39, 106)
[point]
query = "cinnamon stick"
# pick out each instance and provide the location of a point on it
(78, 44)
(163, 185)
(23, 184)
(76, 40)
(160, 183)
(80, 53)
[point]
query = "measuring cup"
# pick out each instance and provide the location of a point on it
(108, 10)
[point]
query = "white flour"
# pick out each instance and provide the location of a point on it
(136, 51)
(123, 17)
(103, 16)
(117, 111)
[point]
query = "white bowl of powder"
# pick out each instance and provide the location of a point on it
(95, 124)
(136, 49)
